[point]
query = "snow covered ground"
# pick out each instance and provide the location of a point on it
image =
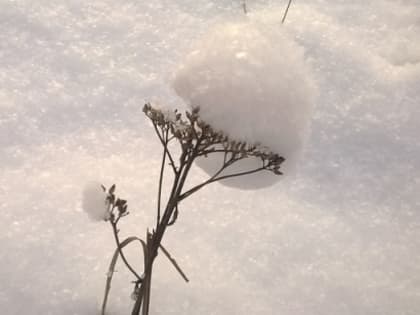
(342, 237)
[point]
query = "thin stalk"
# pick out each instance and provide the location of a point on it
(194, 189)
(137, 305)
(174, 263)
(117, 240)
(244, 6)
(215, 179)
(153, 243)
(286, 11)
(165, 148)
(111, 268)
(145, 285)
(162, 169)
(239, 174)
(174, 198)
(148, 280)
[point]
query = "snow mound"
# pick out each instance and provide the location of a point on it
(94, 202)
(250, 80)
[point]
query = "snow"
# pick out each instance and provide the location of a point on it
(251, 81)
(342, 238)
(95, 203)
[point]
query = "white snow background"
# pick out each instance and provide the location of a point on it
(342, 237)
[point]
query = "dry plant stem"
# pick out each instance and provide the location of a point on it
(154, 241)
(174, 263)
(196, 139)
(112, 264)
(143, 299)
(162, 170)
(117, 240)
(148, 277)
(286, 11)
(216, 176)
(165, 146)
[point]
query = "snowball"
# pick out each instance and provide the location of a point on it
(94, 202)
(250, 80)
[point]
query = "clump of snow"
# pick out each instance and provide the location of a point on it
(250, 80)
(95, 203)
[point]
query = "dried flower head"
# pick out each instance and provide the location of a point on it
(193, 132)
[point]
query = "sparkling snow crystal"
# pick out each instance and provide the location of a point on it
(251, 81)
(94, 202)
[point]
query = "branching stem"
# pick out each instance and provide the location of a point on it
(215, 177)
(196, 139)
(165, 146)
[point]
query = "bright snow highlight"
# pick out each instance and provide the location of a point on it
(250, 80)
(94, 202)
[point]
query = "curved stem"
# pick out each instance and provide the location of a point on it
(117, 240)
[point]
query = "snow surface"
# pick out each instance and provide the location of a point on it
(342, 238)
(250, 80)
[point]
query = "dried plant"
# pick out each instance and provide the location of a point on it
(286, 11)
(193, 138)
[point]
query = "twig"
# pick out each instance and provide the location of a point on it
(215, 179)
(196, 188)
(286, 11)
(174, 263)
(117, 240)
(172, 163)
(239, 174)
(147, 285)
(162, 169)
(111, 268)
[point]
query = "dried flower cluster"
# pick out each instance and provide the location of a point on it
(194, 133)
(117, 207)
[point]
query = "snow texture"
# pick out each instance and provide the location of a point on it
(251, 81)
(342, 238)
(95, 203)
